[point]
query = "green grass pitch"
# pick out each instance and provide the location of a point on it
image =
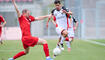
(81, 50)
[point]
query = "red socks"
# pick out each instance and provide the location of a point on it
(46, 50)
(19, 54)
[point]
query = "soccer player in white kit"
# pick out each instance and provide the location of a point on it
(71, 31)
(61, 16)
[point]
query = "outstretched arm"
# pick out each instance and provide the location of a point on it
(14, 3)
(54, 23)
(50, 16)
(41, 17)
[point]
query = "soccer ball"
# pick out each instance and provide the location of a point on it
(56, 51)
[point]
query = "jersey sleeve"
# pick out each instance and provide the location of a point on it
(52, 12)
(64, 8)
(2, 19)
(74, 20)
(67, 10)
(32, 18)
(54, 18)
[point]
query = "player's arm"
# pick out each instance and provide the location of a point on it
(50, 16)
(4, 22)
(76, 23)
(67, 12)
(70, 21)
(41, 17)
(59, 41)
(14, 3)
(54, 23)
(70, 13)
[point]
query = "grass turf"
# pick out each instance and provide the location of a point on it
(81, 50)
(101, 41)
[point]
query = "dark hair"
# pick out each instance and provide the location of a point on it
(25, 11)
(57, 1)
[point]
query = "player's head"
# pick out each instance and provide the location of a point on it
(26, 12)
(57, 4)
(64, 33)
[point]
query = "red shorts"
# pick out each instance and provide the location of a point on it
(29, 41)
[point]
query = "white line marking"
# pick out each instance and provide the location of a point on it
(94, 42)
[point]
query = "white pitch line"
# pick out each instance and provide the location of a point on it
(94, 42)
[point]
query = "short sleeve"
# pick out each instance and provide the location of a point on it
(54, 18)
(52, 12)
(32, 18)
(64, 8)
(2, 19)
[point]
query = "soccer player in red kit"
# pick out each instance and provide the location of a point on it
(2, 23)
(27, 39)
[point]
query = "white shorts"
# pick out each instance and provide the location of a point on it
(59, 30)
(70, 32)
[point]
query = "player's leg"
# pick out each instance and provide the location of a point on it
(71, 34)
(45, 48)
(68, 44)
(20, 54)
(1, 42)
(61, 43)
(58, 44)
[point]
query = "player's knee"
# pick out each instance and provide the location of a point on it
(65, 33)
(26, 51)
(44, 42)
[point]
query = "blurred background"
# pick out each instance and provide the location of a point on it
(89, 13)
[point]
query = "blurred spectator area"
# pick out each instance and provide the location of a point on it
(6, 1)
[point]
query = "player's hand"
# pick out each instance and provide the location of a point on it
(58, 43)
(48, 16)
(64, 11)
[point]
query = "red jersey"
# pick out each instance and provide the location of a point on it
(1, 19)
(25, 25)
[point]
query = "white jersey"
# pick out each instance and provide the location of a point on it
(61, 18)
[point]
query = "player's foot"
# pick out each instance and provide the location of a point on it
(54, 56)
(1, 42)
(10, 59)
(49, 58)
(62, 48)
(69, 49)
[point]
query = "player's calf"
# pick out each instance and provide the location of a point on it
(20, 54)
(45, 48)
